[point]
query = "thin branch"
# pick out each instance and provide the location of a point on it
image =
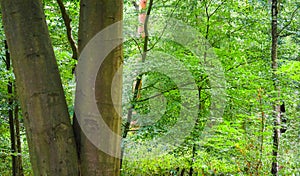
(67, 22)
(238, 29)
(241, 64)
(136, 6)
(208, 4)
(137, 44)
(6, 49)
(4, 60)
(216, 9)
(175, 88)
(146, 41)
(162, 92)
(287, 34)
(289, 23)
(165, 27)
(206, 11)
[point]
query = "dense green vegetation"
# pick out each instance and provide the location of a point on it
(236, 88)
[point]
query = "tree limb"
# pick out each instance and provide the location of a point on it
(67, 22)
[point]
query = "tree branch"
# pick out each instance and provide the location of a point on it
(289, 23)
(216, 9)
(2, 57)
(4, 60)
(241, 64)
(67, 22)
(287, 34)
(146, 41)
(165, 27)
(137, 44)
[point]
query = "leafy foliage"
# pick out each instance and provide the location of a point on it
(239, 33)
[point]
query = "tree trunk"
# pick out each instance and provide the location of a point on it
(95, 15)
(276, 105)
(138, 82)
(48, 128)
(11, 114)
(18, 140)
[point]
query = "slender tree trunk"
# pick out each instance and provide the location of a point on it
(261, 138)
(276, 105)
(50, 137)
(95, 15)
(18, 140)
(138, 82)
(11, 114)
(14, 124)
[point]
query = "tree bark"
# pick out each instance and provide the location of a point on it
(95, 15)
(48, 128)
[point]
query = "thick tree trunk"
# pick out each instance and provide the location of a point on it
(95, 15)
(48, 128)
(276, 105)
